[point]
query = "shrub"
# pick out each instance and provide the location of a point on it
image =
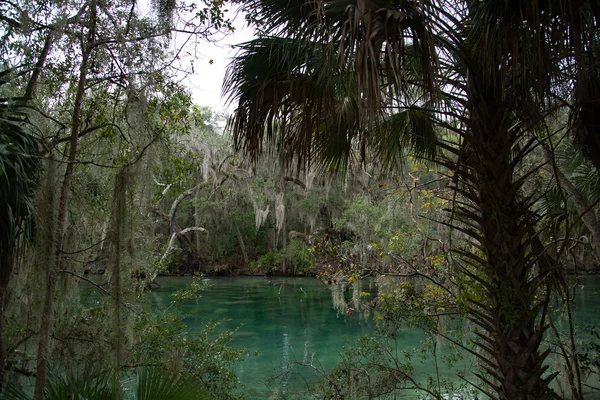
(270, 262)
(299, 257)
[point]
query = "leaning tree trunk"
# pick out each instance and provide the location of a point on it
(61, 222)
(504, 284)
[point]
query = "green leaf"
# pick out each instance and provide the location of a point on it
(162, 384)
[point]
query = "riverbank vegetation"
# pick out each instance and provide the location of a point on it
(454, 143)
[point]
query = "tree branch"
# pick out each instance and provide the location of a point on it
(296, 181)
(174, 236)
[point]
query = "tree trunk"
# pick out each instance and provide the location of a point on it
(197, 222)
(116, 240)
(39, 66)
(242, 245)
(504, 285)
(174, 230)
(56, 260)
(6, 266)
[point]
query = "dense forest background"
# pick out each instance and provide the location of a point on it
(367, 140)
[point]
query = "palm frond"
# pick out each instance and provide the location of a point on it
(18, 179)
(536, 49)
(82, 385)
(578, 170)
(373, 42)
(290, 19)
(410, 131)
(157, 383)
(319, 88)
(586, 179)
(568, 156)
(12, 391)
(553, 207)
(280, 88)
(18, 163)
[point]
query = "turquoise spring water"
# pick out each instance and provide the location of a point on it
(300, 320)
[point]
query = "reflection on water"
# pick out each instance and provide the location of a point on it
(287, 320)
(302, 321)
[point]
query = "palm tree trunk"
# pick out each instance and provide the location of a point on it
(56, 261)
(504, 297)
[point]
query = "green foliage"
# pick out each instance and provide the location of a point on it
(589, 352)
(366, 371)
(73, 384)
(555, 202)
(150, 383)
(164, 339)
(19, 173)
(83, 385)
(408, 305)
(181, 170)
(299, 257)
(12, 391)
(363, 215)
(156, 383)
(309, 203)
(270, 262)
(191, 292)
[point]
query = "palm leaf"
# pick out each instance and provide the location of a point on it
(293, 19)
(542, 48)
(11, 391)
(586, 178)
(18, 179)
(86, 385)
(318, 90)
(579, 170)
(568, 156)
(410, 131)
(281, 91)
(18, 164)
(163, 384)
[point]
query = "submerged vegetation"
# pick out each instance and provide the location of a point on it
(448, 149)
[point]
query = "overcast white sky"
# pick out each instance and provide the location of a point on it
(207, 80)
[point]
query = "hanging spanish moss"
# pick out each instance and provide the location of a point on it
(338, 291)
(279, 211)
(117, 239)
(165, 10)
(309, 179)
(260, 217)
(30, 280)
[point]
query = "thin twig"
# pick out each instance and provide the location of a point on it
(100, 288)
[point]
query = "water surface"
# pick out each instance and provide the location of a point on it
(284, 320)
(301, 321)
